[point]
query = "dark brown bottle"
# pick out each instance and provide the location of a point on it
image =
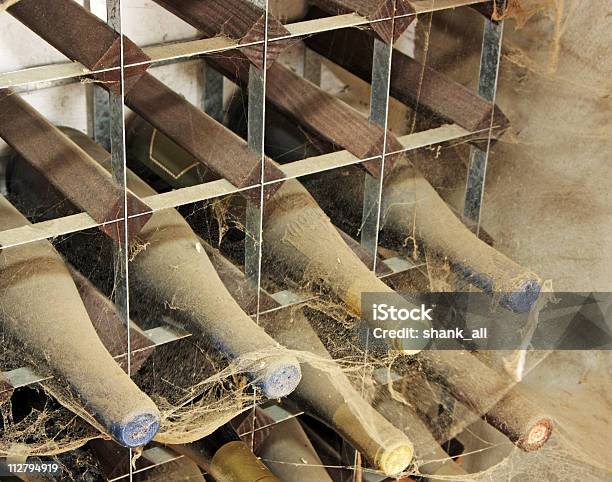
(227, 458)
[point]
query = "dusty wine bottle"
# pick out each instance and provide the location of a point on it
(385, 445)
(434, 461)
(411, 209)
(326, 393)
(488, 393)
(433, 222)
(301, 241)
(203, 303)
(289, 446)
(226, 457)
(41, 307)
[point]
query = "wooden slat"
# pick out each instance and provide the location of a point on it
(490, 9)
(379, 12)
(187, 195)
(81, 36)
(239, 20)
(412, 83)
(318, 111)
(67, 167)
(208, 141)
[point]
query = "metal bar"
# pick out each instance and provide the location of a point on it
(101, 116)
(21, 377)
(278, 414)
(253, 222)
(381, 74)
(487, 88)
(51, 75)
(99, 109)
(161, 335)
(256, 112)
(119, 173)
(428, 6)
(200, 192)
(156, 456)
(399, 264)
(287, 297)
(212, 102)
(379, 102)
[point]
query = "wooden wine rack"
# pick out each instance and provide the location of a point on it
(57, 74)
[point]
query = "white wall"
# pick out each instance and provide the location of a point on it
(143, 21)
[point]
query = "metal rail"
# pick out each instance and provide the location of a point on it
(51, 75)
(487, 89)
(221, 187)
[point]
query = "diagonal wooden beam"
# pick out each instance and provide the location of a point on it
(318, 111)
(492, 9)
(89, 39)
(82, 36)
(412, 83)
(208, 141)
(67, 167)
(239, 20)
(380, 12)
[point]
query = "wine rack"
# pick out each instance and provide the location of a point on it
(107, 113)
